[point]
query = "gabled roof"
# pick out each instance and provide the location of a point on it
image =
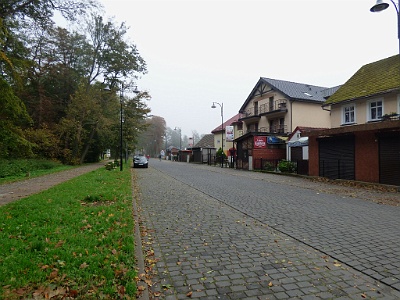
(207, 141)
(379, 77)
(304, 129)
(294, 91)
(231, 121)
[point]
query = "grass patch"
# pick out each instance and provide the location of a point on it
(20, 169)
(73, 240)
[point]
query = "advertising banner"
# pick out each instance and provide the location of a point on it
(230, 135)
(260, 142)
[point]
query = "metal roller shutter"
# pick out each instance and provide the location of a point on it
(389, 159)
(336, 157)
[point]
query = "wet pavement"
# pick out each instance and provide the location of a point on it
(213, 233)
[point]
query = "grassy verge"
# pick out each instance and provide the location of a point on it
(20, 169)
(74, 240)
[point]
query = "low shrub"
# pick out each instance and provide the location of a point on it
(269, 166)
(286, 166)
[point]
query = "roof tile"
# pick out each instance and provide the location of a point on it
(371, 79)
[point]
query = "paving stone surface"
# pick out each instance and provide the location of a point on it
(229, 234)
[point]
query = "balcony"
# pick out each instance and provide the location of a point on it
(281, 129)
(251, 112)
(275, 107)
(276, 129)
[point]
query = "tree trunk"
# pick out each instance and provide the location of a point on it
(87, 146)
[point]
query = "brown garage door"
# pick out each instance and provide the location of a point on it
(336, 157)
(389, 159)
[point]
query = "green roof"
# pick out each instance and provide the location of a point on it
(375, 78)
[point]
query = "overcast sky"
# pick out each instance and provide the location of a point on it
(198, 52)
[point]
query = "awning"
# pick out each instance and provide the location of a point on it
(301, 142)
(273, 140)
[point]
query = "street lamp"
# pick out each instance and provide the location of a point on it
(180, 139)
(121, 101)
(222, 129)
(380, 5)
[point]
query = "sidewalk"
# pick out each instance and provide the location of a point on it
(199, 248)
(20, 189)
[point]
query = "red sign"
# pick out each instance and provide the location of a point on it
(260, 142)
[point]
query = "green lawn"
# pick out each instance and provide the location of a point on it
(73, 240)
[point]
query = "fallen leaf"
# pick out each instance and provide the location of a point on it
(73, 293)
(270, 284)
(121, 290)
(59, 244)
(337, 265)
(53, 274)
(83, 266)
(189, 294)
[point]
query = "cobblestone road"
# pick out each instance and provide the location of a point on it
(229, 234)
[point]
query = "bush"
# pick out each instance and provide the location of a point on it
(219, 153)
(269, 166)
(286, 166)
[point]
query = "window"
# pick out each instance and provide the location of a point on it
(398, 104)
(375, 110)
(271, 103)
(256, 108)
(349, 114)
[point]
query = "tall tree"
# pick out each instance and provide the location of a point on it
(55, 74)
(152, 140)
(113, 57)
(15, 17)
(42, 10)
(135, 112)
(13, 118)
(81, 122)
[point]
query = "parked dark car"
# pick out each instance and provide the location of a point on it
(140, 162)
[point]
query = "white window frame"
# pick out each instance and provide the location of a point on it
(369, 117)
(344, 114)
(398, 104)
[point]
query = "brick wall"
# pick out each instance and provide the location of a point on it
(366, 156)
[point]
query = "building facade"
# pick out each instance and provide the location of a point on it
(271, 112)
(364, 141)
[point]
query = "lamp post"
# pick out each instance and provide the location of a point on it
(222, 129)
(121, 97)
(180, 140)
(121, 101)
(380, 5)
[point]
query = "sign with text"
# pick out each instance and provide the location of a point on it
(230, 135)
(260, 142)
